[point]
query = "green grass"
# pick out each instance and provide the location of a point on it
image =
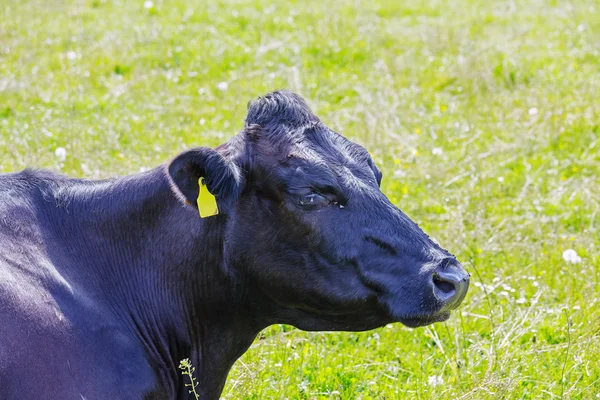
(483, 115)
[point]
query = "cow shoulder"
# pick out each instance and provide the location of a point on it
(51, 323)
(90, 352)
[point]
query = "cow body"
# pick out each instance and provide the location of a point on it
(90, 308)
(105, 286)
(55, 325)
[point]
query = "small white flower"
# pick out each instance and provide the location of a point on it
(435, 380)
(222, 86)
(571, 256)
(60, 153)
(437, 151)
(148, 4)
(533, 111)
(521, 300)
(507, 287)
(71, 55)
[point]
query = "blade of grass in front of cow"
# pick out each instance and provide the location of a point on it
(187, 370)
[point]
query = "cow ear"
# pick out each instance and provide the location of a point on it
(222, 178)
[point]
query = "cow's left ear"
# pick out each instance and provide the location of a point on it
(222, 178)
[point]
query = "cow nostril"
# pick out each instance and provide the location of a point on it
(450, 287)
(444, 286)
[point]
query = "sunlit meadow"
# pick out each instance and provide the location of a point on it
(483, 115)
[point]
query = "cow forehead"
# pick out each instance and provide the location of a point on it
(342, 165)
(312, 149)
(321, 144)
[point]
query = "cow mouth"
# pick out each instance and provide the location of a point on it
(423, 320)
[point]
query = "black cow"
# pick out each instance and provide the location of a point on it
(106, 285)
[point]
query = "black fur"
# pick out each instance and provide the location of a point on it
(105, 286)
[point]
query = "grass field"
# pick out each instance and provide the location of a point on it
(483, 115)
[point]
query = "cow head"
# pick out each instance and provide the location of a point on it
(309, 228)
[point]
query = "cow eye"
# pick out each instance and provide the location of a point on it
(313, 201)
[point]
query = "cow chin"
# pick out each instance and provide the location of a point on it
(417, 321)
(414, 317)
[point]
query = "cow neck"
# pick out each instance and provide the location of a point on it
(162, 271)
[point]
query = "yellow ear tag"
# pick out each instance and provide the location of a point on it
(207, 203)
